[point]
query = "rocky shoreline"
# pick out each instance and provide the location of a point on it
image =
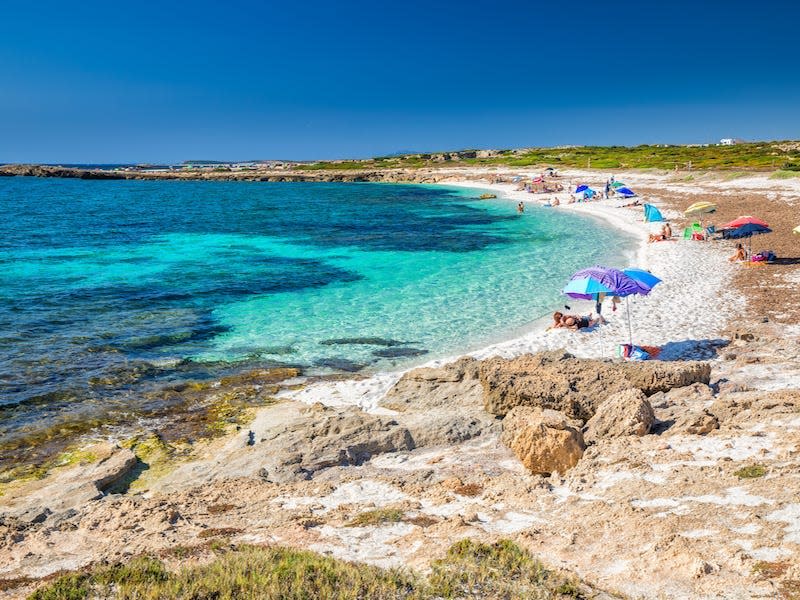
(556, 452)
(422, 175)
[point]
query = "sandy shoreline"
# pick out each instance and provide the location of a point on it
(695, 278)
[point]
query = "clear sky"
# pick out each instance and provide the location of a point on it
(167, 81)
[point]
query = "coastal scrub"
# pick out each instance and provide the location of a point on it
(469, 569)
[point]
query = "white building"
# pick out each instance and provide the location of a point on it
(727, 142)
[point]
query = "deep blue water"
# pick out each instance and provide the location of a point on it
(111, 288)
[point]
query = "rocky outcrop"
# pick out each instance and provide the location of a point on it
(624, 413)
(559, 381)
(72, 488)
(455, 383)
(331, 437)
(46, 171)
(545, 441)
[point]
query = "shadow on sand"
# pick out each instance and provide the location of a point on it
(692, 349)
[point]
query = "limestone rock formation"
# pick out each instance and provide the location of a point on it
(624, 413)
(559, 381)
(331, 438)
(545, 441)
(71, 488)
(430, 387)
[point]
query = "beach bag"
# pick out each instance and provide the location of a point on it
(629, 352)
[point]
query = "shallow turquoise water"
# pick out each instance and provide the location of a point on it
(111, 287)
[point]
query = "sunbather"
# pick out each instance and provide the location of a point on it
(739, 255)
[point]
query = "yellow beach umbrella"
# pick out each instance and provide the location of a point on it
(796, 230)
(698, 208)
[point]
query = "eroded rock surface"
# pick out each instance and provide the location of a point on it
(624, 413)
(545, 441)
(559, 381)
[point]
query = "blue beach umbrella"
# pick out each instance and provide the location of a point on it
(645, 278)
(625, 192)
(585, 288)
(748, 230)
(581, 188)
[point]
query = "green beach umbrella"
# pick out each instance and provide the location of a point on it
(617, 184)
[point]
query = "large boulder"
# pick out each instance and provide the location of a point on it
(545, 441)
(624, 413)
(559, 381)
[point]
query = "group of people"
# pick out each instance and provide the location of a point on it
(665, 234)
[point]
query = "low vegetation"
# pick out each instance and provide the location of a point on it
(469, 570)
(378, 516)
(763, 156)
(751, 472)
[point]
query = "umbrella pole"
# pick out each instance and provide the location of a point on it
(630, 331)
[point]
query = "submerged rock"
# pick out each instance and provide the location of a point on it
(545, 441)
(399, 352)
(340, 364)
(363, 341)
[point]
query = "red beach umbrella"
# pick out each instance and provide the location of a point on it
(747, 220)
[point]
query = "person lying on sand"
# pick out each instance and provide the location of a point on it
(557, 316)
(575, 322)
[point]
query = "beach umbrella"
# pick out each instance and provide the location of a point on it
(699, 208)
(585, 288)
(796, 230)
(625, 192)
(617, 184)
(600, 279)
(645, 278)
(588, 284)
(581, 188)
(748, 230)
(747, 220)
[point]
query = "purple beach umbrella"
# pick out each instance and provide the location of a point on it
(615, 281)
(612, 282)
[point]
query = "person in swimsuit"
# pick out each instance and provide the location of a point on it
(573, 322)
(739, 256)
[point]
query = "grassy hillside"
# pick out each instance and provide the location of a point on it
(765, 156)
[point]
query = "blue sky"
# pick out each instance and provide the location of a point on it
(168, 81)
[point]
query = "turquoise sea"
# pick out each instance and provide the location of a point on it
(112, 288)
